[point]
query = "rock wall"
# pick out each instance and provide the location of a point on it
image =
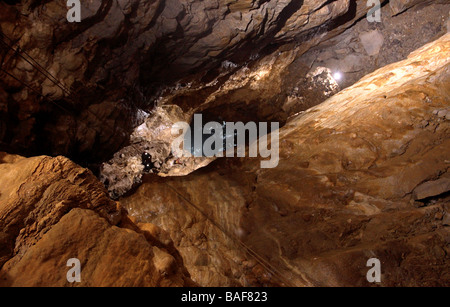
(274, 87)
(365, 174)
(362, 175)
(52, 210)
(68, 88)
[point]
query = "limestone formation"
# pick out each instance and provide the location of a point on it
(89, 179)
(350, 172)
(52, 210)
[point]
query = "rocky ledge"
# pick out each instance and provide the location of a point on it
(362, 175)
(52, 210)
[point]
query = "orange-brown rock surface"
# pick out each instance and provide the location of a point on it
(77, 89)
(120, 53)
(52, 210)
(363, 175)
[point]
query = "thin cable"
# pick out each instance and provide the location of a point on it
(34, 90)
(265, 264)
(19, 51)
(41, 69)
(58, 105)
(54, 81)
(49, 76)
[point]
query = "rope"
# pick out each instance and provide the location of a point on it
(265, 264)
(36, 65)
(34, 90)
(112, 130)
(50, 77)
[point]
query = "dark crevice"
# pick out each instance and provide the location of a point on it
(433, 199)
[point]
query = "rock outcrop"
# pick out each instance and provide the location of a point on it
(52, 210)
(153, 138)
(73, 80)
(274, 87)
(75, 89)
(362, 175)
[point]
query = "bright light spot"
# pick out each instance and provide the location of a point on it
(261, 74)
(141, 128)
(337, 76)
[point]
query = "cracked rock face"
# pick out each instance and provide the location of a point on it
(77, 89)
(364, 143)
(150, 152)
(52, 210)
(75, 78)
(274, 87)
(362, 175)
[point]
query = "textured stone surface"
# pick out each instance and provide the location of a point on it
(365, 46)
(372, 42)
(52, 210)
(342, 193)
(399, 6)
(154, 137)
(432, 188)
(122, 52)
(276, 86)
(362, 175)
